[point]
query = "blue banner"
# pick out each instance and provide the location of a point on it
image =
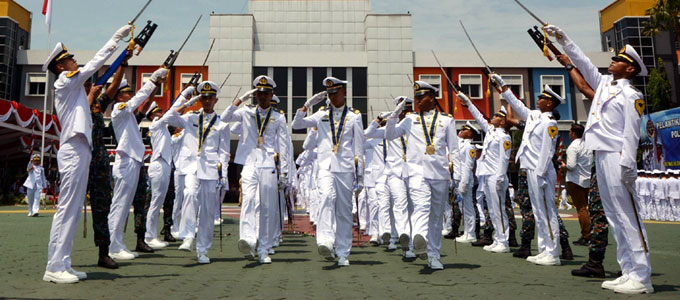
(660, 140)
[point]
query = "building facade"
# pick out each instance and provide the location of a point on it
(15, 35)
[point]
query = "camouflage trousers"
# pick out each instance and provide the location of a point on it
(528, 222)
(169, 201)
(100, 191)
(141, 202)
(599, 227)
(457, 216)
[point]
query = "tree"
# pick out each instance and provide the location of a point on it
(659, 88)
(663, 17)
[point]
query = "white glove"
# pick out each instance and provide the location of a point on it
(121, 33)
(158, 74)
(316, 99)
(247, 95)
(188, 92)
(497, 78)
(191, 101)
(282, 181)
(558, 33)
(400, 107)
(463, 97)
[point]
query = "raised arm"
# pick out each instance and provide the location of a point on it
(300, 121)
(373, 131)
(311, 141)
(576, 76)
(479, 118)
(394, 130)
(581, 61)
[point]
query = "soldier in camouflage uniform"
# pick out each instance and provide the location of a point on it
(142, 198)
(168, 205)
(599, 233)
(99, 180)
(488, 226)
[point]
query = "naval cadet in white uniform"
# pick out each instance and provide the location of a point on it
(341, 142)
(75, 151)
(432, 144)
(34, 184)
(613, 132)
(465, 180)
(264, 136)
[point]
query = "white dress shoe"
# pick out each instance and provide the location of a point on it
(548, 260)
(445, 231)
(489, 247)
(135, 254)
(419, 244)
(374, 240)
(175, 234)
(80, 275)
(122, 255)
(186, 244)
(265, 259)
(632, 286)
(434, 264)
(60, 277)
(326, 251)
(464, 239)
(611, 284)
(409, 254)
(533, 259)
(246, 250)
(343, 261)
(203, 259)
(276, 243)
(392, 246)
(155, 243)
(218, 222)
(500, 248)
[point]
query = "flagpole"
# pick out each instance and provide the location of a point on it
(47, 92)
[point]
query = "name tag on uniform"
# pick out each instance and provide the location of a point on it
(195, 125)
(324, 120)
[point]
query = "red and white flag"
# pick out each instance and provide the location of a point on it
(47, 11)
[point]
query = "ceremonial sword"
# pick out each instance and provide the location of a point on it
(531, 13)
(487, 70)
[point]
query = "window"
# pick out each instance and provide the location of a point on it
(159, 90)
(359, 93)
(35, 84)
(471, 85)
(556, 83)
(299, 92)
(186, 77)
(434, 80)
(514, 82)
(281, 90)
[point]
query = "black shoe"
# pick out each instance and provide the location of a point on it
(143, 247)
(167, 236)
(593, 268)
(485, 241)
(580, 242)
(566, 250)
(524, 250)
(512, 240)
(451, 235)
(107, 262)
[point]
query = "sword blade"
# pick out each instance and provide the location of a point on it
(206, 58)
(140, 12)
(531, 13)
(453, 86)
(475, 47)
(225, 80)
(190, 33)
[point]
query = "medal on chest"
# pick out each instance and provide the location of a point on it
(429, 132)
(262, 125)
(337, 129)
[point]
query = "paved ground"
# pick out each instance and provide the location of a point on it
(298, 272)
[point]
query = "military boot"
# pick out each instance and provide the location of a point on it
(141, 245)
(512, 240)
(593, 268)
(485, 240)
(524, 250)
(566, 249)
(105, 261)
(167, 236)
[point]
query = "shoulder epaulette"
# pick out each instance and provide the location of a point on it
(250, 105)
(322, 108)
(281, 112)
(122, 106)
(195, 112)
(634, 88)
(71, 74)
(356, 111)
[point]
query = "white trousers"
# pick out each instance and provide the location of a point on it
(33, 200)
(428, 198)
(362, 210)
(280, 213)
(468, 209)
(619, 208)
(385, 216)
(401, 208)
(479, 195)
(335, 212)
(372, 224)
(259, 210)
(73, 159)
(201, 193)
(495, 199)
(179, 200)
(126, 176)
(218, 200)
(159, 175)
(545, 210)
(447, 221)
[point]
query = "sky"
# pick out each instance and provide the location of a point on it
(494, 25)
